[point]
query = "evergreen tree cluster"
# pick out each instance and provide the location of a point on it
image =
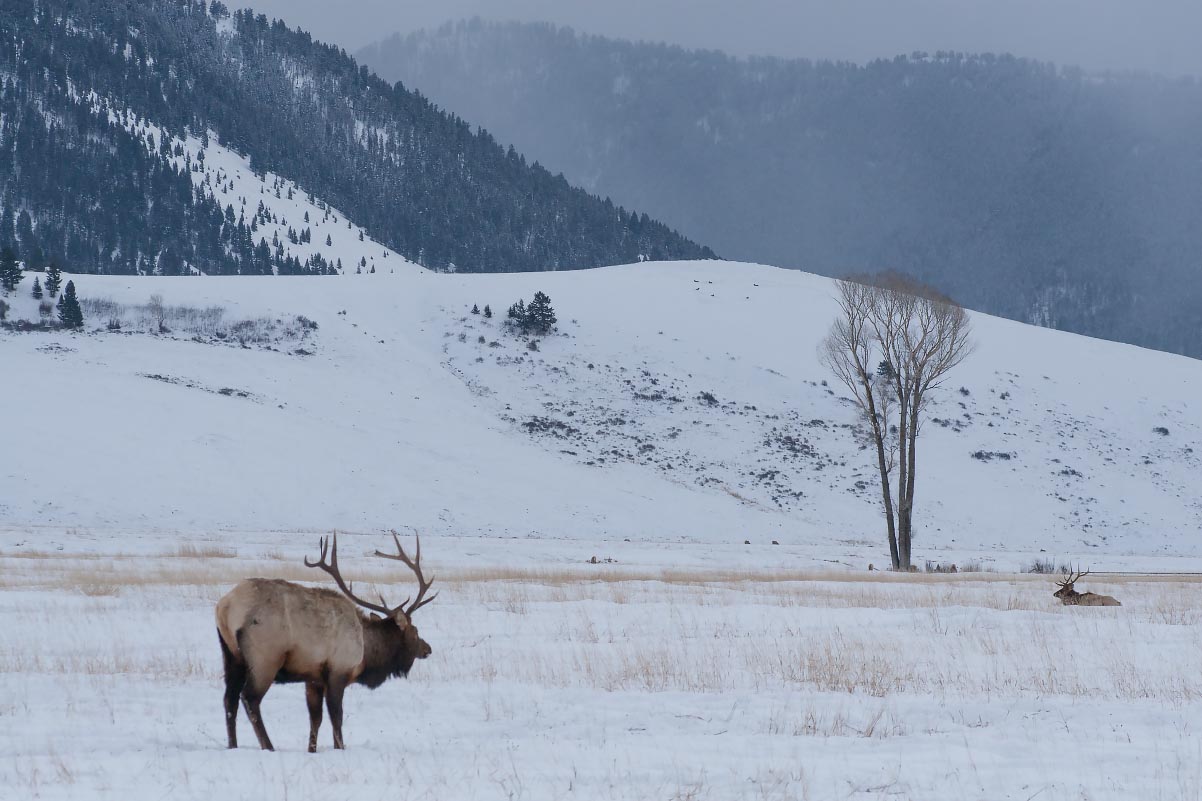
(537, 317)
(82, 185)
(10, 270)
(1039, 193)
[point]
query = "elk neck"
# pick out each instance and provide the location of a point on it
(384, 653)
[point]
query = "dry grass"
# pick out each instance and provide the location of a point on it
(614, 629)
(209, 551)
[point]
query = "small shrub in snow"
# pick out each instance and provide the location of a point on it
(114, 324)
(475, 309)
(3, 311)
(708, 399)
(1046, 567)
(157, 313)
(532, 345)
(480, 339)
(45, 308)
(1161, 430)
(487, 312)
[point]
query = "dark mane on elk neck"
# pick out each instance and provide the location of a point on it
(275, 631)
(388, 652)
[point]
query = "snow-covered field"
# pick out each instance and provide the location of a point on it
(631, 681)
(678, 424)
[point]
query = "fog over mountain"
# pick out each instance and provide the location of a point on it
(1153, 35)
(1044, 194)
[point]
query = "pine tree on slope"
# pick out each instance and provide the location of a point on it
(540, 317)
(69, 311)
(10, 270)
(54, 280)
(37, 288)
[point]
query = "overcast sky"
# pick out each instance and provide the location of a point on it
(1157, 35)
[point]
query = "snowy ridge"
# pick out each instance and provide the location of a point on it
(679, 401)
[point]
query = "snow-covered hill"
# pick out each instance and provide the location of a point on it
(678, 401)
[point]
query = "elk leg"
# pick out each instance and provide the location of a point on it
(259, 676)
(313, 695)
(334, 691)
(251, 696)
(235, 678)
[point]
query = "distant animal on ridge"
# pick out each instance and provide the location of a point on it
(1070, 597)
(276, 631)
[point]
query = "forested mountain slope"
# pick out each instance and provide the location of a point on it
(1037, 193)
(98, 97)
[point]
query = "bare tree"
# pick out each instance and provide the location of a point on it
(895, 341)
(158, 313)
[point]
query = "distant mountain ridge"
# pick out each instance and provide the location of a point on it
(1041, 194)
(83, 181)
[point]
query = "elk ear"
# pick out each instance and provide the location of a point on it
(402, 622)
(375, 618)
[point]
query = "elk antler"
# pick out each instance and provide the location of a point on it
(415, 565)
(1073, 577)
(331, 567)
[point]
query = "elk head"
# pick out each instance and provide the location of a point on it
(1066, 585)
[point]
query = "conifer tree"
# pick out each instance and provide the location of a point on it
(10, 270)
(540, 316)
(37, 288)
(475, 309)
(54, 279)
(487, 311)
(517, 315)
(69, 311)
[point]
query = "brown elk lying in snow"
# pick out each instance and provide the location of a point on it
(1070, 597)
(276, 631)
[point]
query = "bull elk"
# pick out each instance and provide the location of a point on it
(1070, 597)
(276, 631)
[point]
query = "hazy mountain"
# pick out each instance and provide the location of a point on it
(98, 96)
(1038, 193)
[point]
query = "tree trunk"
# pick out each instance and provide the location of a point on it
(906, 501)
(878, 436)
(886, 498)
(905, 443)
